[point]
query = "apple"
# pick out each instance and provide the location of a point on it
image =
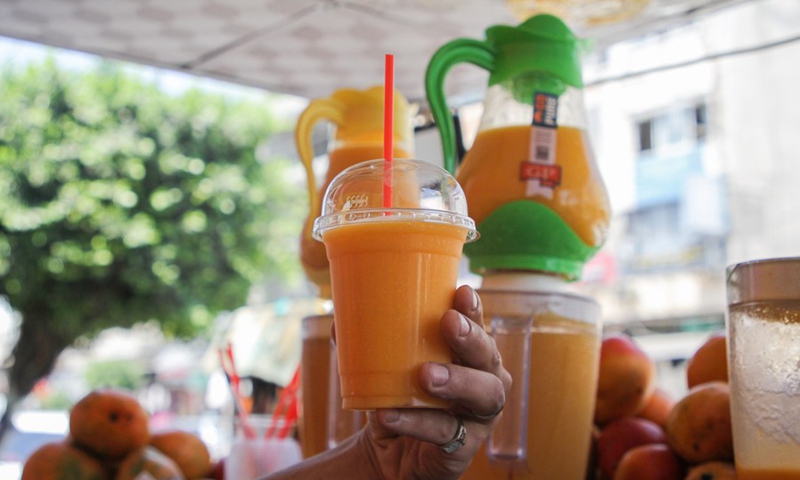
(626, 379)
(650, 462)
(620, 436)
(217, 471)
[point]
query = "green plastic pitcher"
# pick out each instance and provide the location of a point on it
(530, 176)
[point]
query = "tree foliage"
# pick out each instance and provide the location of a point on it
(122, 204)
(121, 374)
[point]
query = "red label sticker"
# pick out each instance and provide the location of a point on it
(547, 175)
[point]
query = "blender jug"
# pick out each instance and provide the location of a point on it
(549, 339)
(356, 118)
(530, 176)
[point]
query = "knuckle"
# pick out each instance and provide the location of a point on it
(499, 396)
(496, 361)
(507, 381)
(444, 433)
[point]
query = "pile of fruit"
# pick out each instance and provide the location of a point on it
(109, 439)
(643, 434)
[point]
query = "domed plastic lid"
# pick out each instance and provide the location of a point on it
(419, 191)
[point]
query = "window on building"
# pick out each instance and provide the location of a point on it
(645, 132)
(655, 227)
(683, 127)
(701, 120)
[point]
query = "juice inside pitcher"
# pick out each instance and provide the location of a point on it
(356, 118)
(575, 194)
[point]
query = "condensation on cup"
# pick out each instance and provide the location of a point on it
(763, 324)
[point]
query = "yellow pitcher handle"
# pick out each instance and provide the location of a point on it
(319, 109)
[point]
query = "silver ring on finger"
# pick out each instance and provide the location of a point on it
(458, 440)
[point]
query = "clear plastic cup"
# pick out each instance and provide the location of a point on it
(394, 271)
(323, 424)
(314, 386)
(252, 458)
(342, 424)
(763, 323)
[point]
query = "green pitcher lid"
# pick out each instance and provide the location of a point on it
(541, 43)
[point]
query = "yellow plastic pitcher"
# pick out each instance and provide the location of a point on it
(356, 118)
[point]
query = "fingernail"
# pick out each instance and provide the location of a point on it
(439, 374)
(391, 415)
(474, 300)
(465, 327)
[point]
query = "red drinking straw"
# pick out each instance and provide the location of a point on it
(286, 407)
(388, 130)
(229, 367)
(291, 418)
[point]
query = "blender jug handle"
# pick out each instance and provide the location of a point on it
(460, 50)
(318, 110)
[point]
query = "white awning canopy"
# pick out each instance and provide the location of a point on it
(302, 47)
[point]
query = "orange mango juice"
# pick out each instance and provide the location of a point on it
(564, 356)
(391, 282)
(312, 253)
(315, 391)
(490, 176)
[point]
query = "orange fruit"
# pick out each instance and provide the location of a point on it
(186, 449)
(699, 426)
(710, 362)
(657, 407)
(62, 461)
(148, 463)
(109, 423)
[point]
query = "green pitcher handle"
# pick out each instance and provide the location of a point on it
(460, 50)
